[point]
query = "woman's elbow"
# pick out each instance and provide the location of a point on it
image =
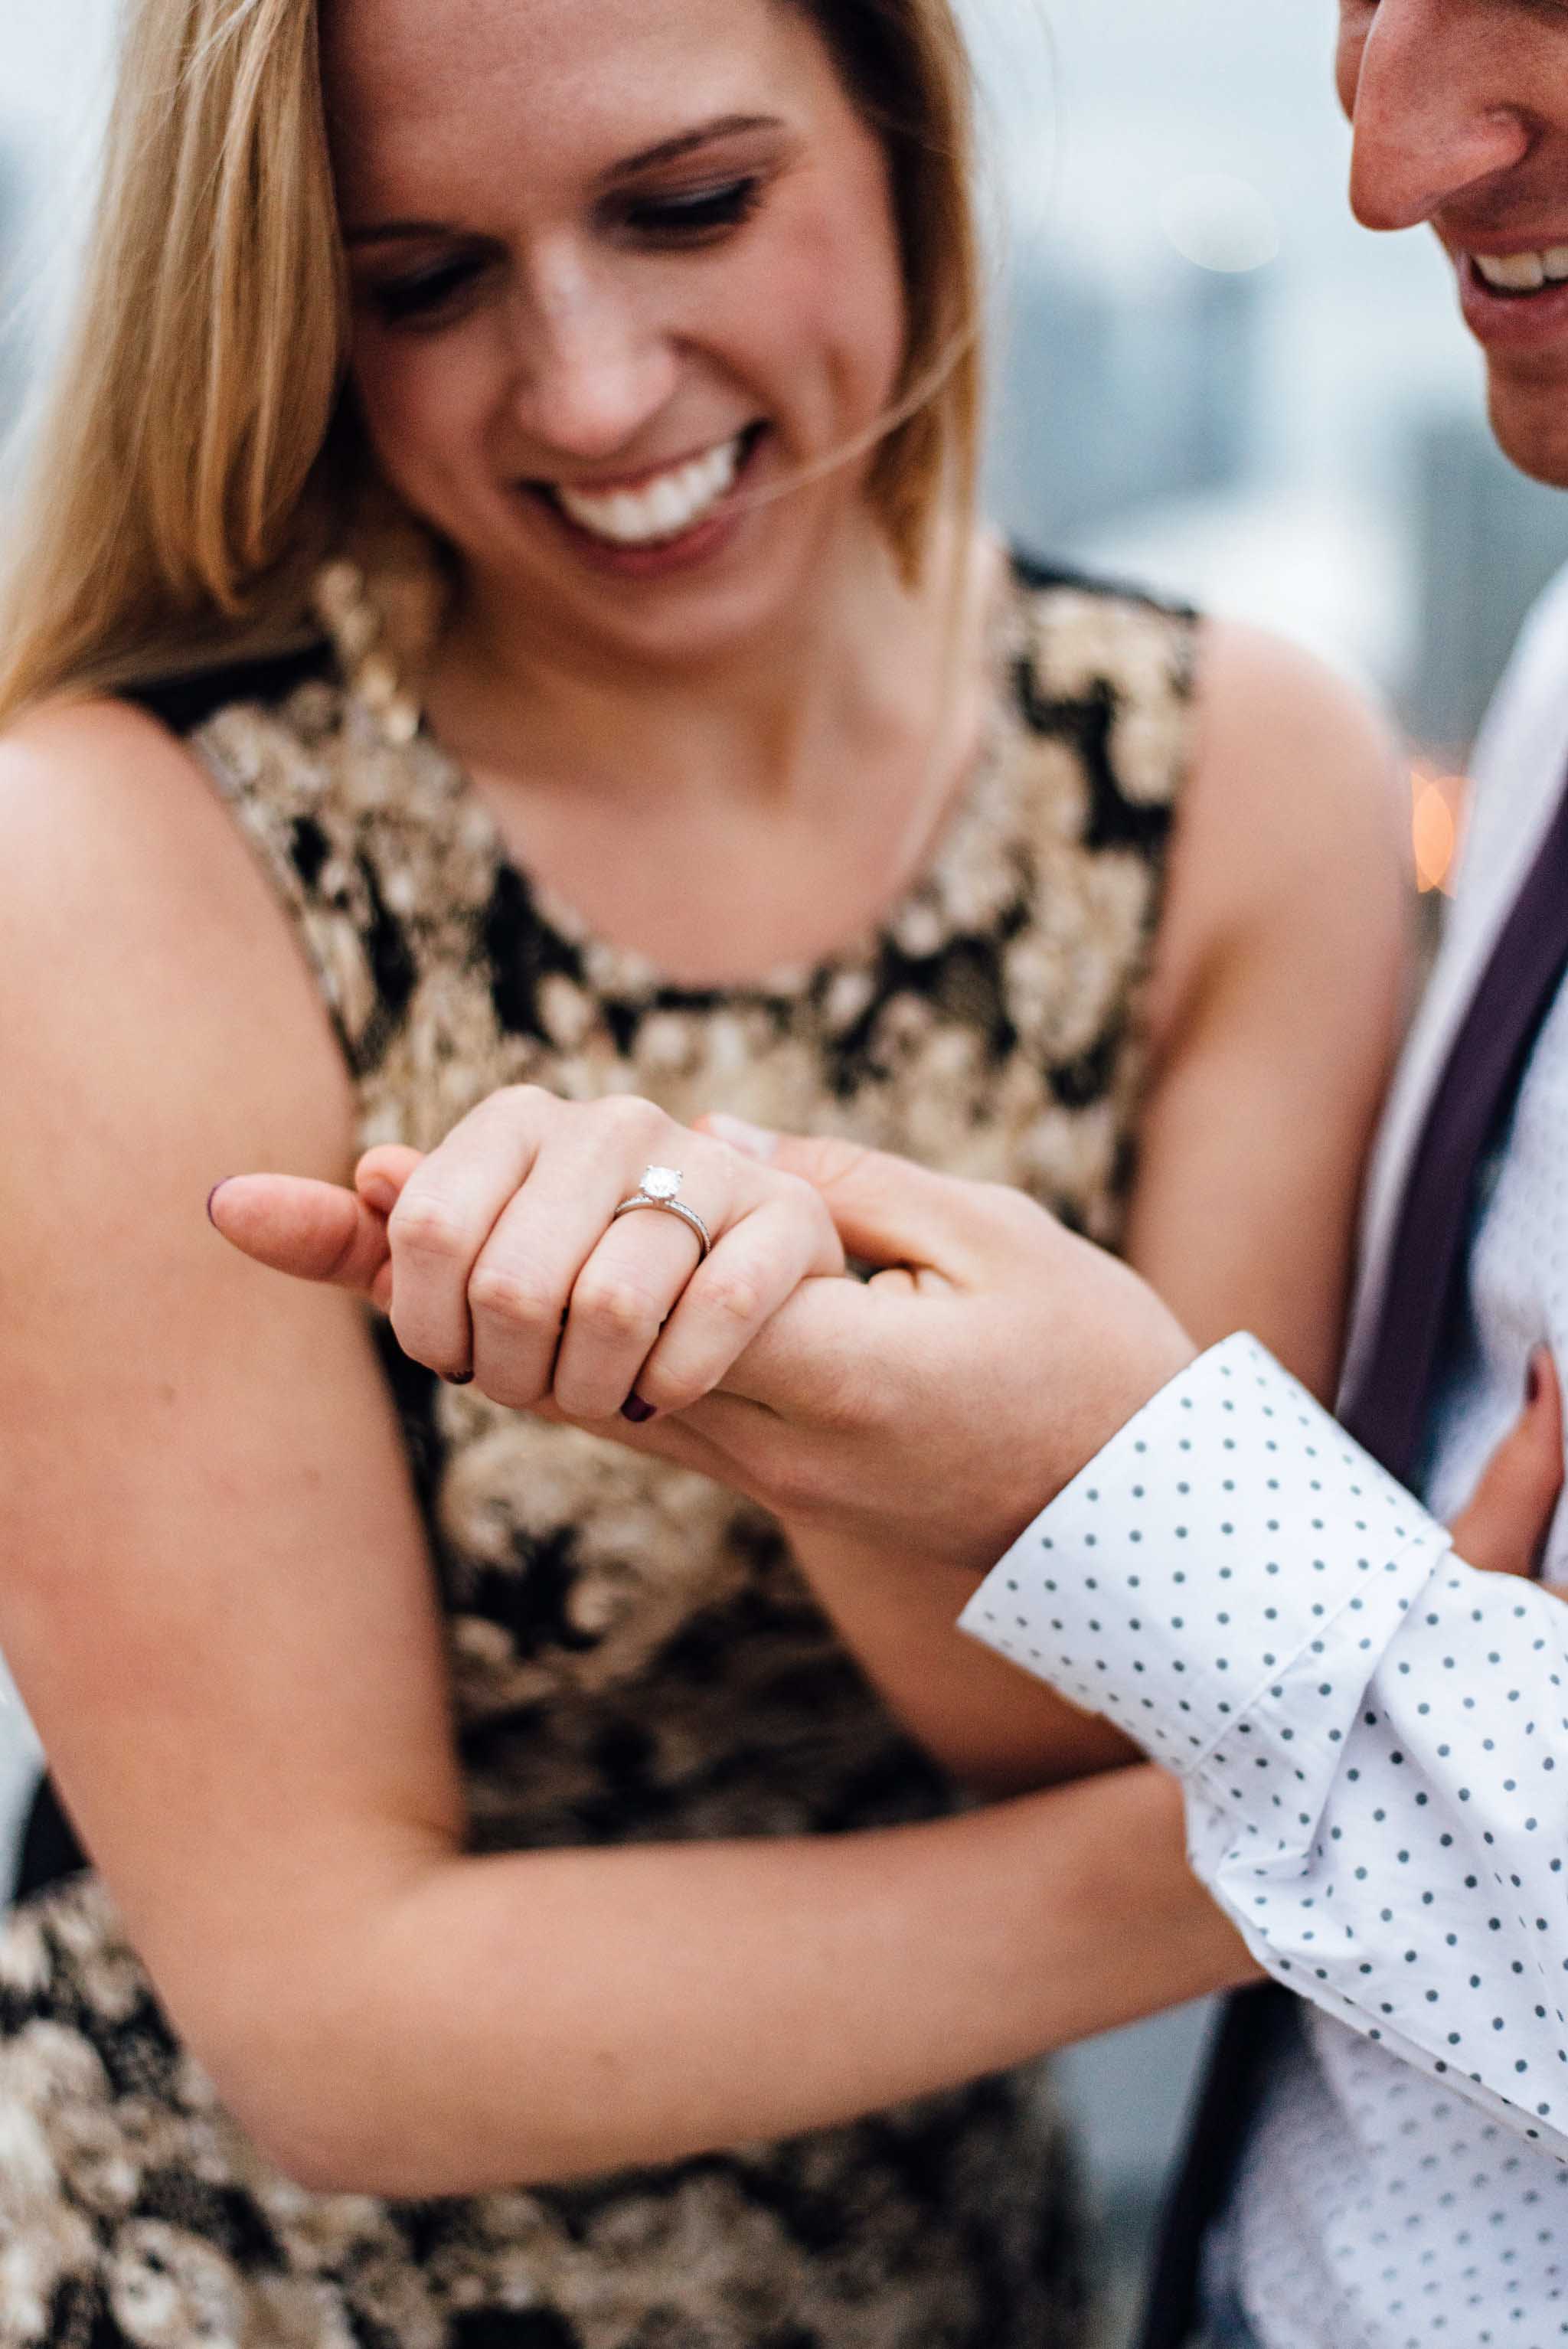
(351, 2118)
(326, 2123)
(304, 2060)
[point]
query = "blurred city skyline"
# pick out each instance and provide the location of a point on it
(1343, 489)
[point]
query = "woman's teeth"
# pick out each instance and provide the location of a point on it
(1523, 273)
(666, 507)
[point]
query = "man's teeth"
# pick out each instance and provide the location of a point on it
(1524, 273)
(666, 508)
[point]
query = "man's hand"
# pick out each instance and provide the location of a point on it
(1503, 1527)
(931, 1410)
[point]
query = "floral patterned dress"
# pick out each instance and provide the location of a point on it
(634, 1657)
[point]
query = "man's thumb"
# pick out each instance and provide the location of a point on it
(1511, 1512)
(888, 1211)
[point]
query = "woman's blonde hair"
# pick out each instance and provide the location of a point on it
(195, 460)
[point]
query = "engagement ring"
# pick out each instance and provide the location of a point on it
(660, 1188)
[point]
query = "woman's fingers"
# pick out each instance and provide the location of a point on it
(509, 1267)
(757, 1265)
(1510, 1515)
(539, 1297)
(316, 1231)
(653, 1324)
(620, 1299)
(444, 1216)
(500, 1257)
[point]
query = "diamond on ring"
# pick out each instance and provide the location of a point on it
(660, 1188)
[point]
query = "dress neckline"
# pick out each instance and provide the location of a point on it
(626, 972)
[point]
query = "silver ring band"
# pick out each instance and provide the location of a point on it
(660, 1188)
(688, 1215)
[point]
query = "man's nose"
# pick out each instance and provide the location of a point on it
(1434, 109)
(591, 372)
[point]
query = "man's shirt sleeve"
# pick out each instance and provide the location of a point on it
(1371, 1736)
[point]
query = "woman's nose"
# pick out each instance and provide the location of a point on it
(1443, 100)
(591, 372)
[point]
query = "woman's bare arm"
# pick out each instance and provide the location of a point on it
(1279, 986)
(216, 1597)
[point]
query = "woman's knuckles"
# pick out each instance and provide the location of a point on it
(516, 1298)
(427, 1227)
(629, 1122)
(617, 1306)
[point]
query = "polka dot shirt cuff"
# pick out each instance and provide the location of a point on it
(1229, 1545)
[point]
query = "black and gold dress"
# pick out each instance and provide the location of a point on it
(633, 1658)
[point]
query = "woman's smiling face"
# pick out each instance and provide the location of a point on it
(613, 265)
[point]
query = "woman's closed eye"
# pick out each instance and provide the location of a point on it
(425, 293)
(697, 216)
(693, 215)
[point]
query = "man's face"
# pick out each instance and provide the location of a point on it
(1460, 113)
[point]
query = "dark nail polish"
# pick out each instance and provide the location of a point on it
(1532, 1381)
(459, 1378)
(212, 1195)
(638, 1411)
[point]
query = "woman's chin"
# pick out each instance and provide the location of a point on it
(735, 581)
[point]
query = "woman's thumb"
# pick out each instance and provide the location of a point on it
(312, 1231)
(1510, 1513)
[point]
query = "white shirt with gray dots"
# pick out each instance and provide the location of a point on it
(1374, 1743)
(1373, 1737)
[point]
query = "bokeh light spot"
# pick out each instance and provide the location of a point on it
(1437, 806)
(1218, 221)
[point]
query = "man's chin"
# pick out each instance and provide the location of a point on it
(1530, 419)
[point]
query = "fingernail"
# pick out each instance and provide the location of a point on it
(211, 1196)
(378, 1193)
(638, 1411)
(459, 1378)
(756, 1141)
(1532, 1378)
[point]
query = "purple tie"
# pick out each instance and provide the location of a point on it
(1387, 1408)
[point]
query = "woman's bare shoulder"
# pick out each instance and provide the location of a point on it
(87, 783)
(137, 932)
(1293, 839)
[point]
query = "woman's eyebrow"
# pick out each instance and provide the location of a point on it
(669, 150)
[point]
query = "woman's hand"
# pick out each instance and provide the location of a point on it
(500, 1259)
(761, 1434)
(1505, 1526)
(931, 1412)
